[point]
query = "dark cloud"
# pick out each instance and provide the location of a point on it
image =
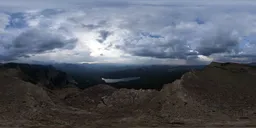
(103, 35)
(217, 42)
(235, 59)
(242, 56)
(185, 31)
(17, 20)
(51, 12)
(199, 21)
(175, 49)
(221, 43)
(239, 58)
(91, 26)
(35, 41)
(151, 35)
(157, 54)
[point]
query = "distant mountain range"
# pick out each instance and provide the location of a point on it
(87, 75)
(45, 75)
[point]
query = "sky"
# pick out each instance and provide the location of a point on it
(174, 32)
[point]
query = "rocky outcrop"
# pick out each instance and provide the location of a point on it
(90, 97)
(226, 87)
(20, 99)
(104, 98)
(132, 101)
(220, 91)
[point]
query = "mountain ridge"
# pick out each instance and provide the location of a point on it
(220, 94)
(45, 75)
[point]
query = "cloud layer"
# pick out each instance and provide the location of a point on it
(177, 32)
(34, 41)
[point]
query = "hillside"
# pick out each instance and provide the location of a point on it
(221, 94)
(228, 87)
(45, 75)
(220, 91)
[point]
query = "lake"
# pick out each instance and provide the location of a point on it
(120, 80)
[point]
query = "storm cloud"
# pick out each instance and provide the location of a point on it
(34, 41)
(219, 42)
(128, 31)
(103, 35)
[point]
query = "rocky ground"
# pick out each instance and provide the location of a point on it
(221, 95)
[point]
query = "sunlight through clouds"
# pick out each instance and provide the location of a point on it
(129, 31)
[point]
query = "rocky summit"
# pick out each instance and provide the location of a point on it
(220, 95)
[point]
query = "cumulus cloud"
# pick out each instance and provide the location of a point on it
(34, 41)
(4, 20)
(219, 42)
(103, 35)
(131, 31)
